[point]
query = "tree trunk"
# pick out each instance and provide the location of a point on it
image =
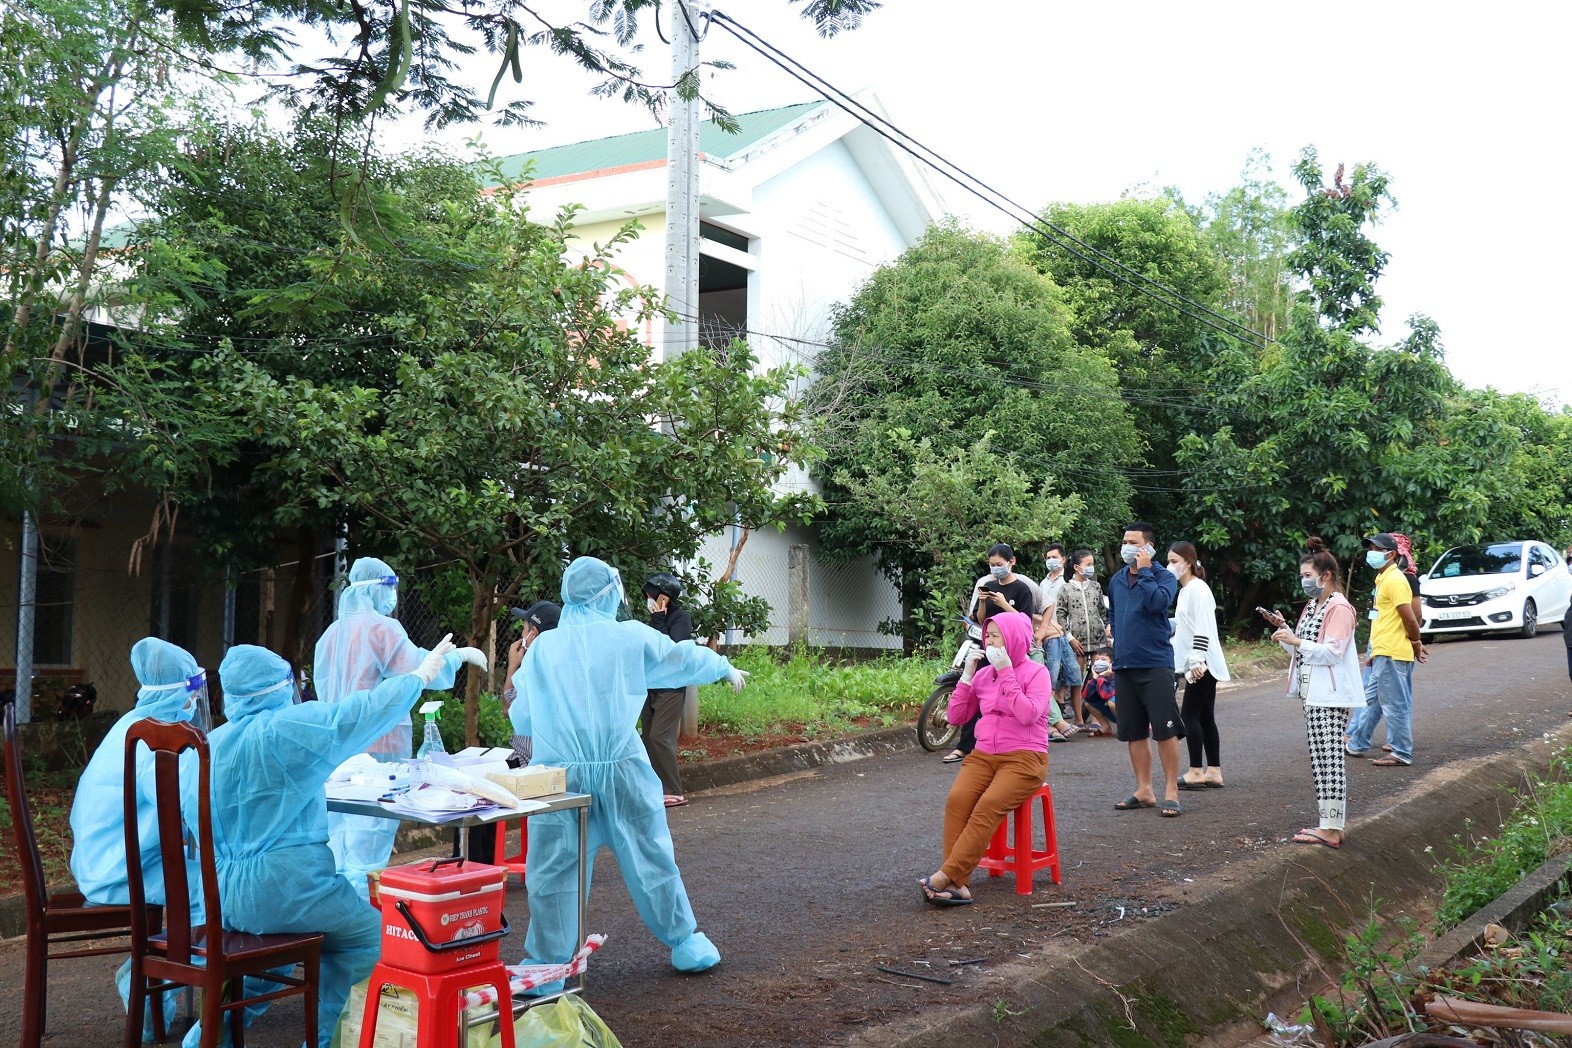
(300, 596)
(480, 618)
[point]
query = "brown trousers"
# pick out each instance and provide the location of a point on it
(988, 788)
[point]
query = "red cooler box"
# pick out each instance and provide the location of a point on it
(443, 914)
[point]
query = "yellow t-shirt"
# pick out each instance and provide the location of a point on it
(1388, 635)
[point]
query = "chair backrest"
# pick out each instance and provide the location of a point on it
(33, 887)
(168, 742)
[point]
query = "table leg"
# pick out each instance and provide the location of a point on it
(463, 842)
(583, 889)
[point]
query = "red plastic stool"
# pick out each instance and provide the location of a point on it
(1016, 856)
(512, 863)
(440, 1002)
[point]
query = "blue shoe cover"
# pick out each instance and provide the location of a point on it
(171, 1002)
(695, 954)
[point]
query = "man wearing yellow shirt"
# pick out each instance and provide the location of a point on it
(1394, 648)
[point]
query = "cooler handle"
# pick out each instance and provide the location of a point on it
(456, 944)
(455, 860)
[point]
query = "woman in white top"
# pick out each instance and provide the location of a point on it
(1324, 674)
(1198, 658)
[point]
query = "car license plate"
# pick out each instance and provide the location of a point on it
(1454, 613)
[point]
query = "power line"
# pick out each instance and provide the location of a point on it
(1054, 234)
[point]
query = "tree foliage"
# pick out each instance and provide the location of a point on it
(955, 342)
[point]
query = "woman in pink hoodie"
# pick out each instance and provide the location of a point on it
(1011, 758)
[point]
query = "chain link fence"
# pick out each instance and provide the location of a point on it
(93, 601)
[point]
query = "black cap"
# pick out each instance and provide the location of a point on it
(542, 614)
(1383, 541)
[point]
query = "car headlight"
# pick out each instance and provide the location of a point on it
(1499, 591)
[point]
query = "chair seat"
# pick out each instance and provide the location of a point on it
(241, 945)
(70, 912)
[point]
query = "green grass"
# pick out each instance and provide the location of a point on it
(804, 693)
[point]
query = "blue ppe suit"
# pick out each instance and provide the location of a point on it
(270, 764)
(98, 832)
(359, 650)
(587, 681)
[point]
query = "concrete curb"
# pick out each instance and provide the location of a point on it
(1276, 924)
(1514, 911)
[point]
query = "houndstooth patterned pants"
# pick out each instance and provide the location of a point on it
(1324, 729)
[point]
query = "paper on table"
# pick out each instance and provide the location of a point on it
(355, 791)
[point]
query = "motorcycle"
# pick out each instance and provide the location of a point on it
(934, 731)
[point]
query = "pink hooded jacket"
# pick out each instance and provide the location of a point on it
(1014, 700)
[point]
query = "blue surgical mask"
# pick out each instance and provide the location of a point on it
(1129, 552)
(1053, 564)
(1312, 587)
(1090, 571)
(1375, 558)
(1100, 666)
(999, 571)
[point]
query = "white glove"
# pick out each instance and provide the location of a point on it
(999, 658)
(432, 664)
(738, 678)
(970, 669)
(474, 657)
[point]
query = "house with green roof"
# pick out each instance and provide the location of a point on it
(797, 208)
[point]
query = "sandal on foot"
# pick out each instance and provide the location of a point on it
(1312, 837)
(1199, 784)
(953, 756)
(1386, 747)
(1169, 809)
(1132, 802)
(675, 801)
(943, 896)
(1390, 762)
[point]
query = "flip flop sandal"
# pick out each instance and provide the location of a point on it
(1169, 809)
(1183, 785)
(675, 802)
(953, 756)
(1391, 762)
(1386, 748)
(943, 896)
(1132, 802)
(1310, 837)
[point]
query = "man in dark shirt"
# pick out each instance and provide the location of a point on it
(661, 721)
(1139, 596)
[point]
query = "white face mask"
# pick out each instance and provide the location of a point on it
(994, 652)
(1053, 564)
(999, 571)
(1179, 568)
(650, 603)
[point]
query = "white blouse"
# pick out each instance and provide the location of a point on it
(1195, 630)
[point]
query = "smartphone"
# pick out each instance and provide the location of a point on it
(1271, 616)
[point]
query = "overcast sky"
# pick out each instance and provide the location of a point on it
(1464, 106)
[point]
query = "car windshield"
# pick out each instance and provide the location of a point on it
(1501, 558)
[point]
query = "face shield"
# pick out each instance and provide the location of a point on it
(195, 708)
(615, 585)
(291, 682)
(390, 581)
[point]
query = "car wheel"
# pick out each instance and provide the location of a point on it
(1427, 638)
(1530, 621)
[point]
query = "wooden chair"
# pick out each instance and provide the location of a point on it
(53, 920)
(205, 956)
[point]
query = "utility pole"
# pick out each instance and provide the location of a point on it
(27, 600)
(688, 21)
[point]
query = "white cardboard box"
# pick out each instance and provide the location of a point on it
(536, 780)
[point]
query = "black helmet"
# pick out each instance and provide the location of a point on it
(663, 582)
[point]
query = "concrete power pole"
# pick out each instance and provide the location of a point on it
(688, 21)
(682, 186)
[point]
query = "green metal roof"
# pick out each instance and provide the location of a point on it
(642, 147)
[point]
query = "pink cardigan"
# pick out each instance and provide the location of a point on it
(1014, 700)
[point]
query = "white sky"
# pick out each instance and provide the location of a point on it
(1460, 104)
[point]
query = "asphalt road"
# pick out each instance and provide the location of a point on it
(807, 883)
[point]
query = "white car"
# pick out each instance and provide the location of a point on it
(1500, 586)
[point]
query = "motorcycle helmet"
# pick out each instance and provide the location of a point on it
(663, 583)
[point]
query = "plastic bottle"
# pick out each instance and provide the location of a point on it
(433, 740)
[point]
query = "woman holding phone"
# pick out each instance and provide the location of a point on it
(1324, 674)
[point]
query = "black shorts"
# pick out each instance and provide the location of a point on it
(1148, 708)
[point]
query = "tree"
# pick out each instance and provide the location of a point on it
(1248, 227)
(405, 52)
(88, 117)
(954, 341)
(1158, 346)
(526, 424)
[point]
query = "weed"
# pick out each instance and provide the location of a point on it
(823, 699)
(1003, 1011)
(1372, 999)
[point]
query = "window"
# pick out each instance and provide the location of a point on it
(54, 601)
(1502, 558)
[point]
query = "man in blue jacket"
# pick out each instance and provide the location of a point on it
(1139, 597)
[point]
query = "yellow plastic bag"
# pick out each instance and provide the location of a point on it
(566, 1022)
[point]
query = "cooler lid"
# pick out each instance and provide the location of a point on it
(444, 877)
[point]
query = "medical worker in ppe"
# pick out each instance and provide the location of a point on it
(270, 764)
(587, 681)
(172, 688)
(363, 647)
